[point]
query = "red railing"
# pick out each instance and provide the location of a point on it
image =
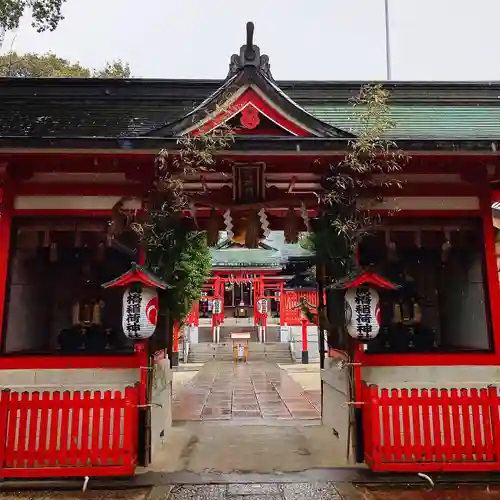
(431, 430)
(68, 433)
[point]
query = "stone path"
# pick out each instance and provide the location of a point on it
(233, 447)
(227, 391)
(246, 418)
(297, 491)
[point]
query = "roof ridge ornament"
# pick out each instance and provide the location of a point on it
(249, 56)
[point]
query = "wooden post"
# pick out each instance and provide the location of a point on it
(305, 351)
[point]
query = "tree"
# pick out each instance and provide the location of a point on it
(46, 14)
(115, 69)
(49, 65)
(176, 249)
(344, 221)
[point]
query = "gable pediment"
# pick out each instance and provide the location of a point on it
(251, 103)
(248, 112)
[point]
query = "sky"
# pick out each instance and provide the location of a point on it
(305, 39)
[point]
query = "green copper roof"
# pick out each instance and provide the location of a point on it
(277, 256)
(419, 122)
(246, 257)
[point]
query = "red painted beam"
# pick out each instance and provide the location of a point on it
(401, 359)
(27, 362)
(66, 189)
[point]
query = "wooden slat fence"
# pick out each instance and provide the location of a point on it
(431, 429)
(67, 434)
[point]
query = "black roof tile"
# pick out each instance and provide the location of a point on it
(116, 107)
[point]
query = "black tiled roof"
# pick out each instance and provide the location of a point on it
(133, 107)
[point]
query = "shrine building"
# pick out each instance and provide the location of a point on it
(83, 392)
(279, 271)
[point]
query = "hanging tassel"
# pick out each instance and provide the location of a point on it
(446, 247)
(253, 230)
(264, 223)
(213, 228)
(291, 232)
(305, 217)
(392, 251)
(397, 313)
(78, 239)
(228, 223)
(53, 253)
(75, 313)
(109, 239)
(192, 211)
(101, 252)
(96, 313)
(46, 239)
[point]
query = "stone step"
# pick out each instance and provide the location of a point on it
(275, 352)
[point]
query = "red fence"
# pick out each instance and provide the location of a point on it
(68, 434)
(431, 430)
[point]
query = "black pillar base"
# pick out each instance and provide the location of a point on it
(174, 360)
(305, 357)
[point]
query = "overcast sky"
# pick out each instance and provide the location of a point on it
(305, 39)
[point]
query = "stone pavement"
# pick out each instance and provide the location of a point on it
(130, 494)
(295, 491)
(228, 391)
(241, 418)
(231, 447)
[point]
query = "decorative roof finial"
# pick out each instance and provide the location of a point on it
(249, 49)
(249, 56)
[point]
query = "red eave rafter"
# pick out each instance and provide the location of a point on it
(370, 278)
(251, 98)
(131, 277)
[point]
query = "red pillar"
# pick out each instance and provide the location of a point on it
(141, 351)
(264, 327)
(218, 293)
(214, 324)
(305, 351)
(175, 344)
(491, 265)
(281, 305)
(6, 199)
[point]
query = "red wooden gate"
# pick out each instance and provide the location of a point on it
(68, 434)
(431, 430)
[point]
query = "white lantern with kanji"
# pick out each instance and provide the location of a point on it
(140, 312)
(217, 307)
(262, 306)
(362, 313)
